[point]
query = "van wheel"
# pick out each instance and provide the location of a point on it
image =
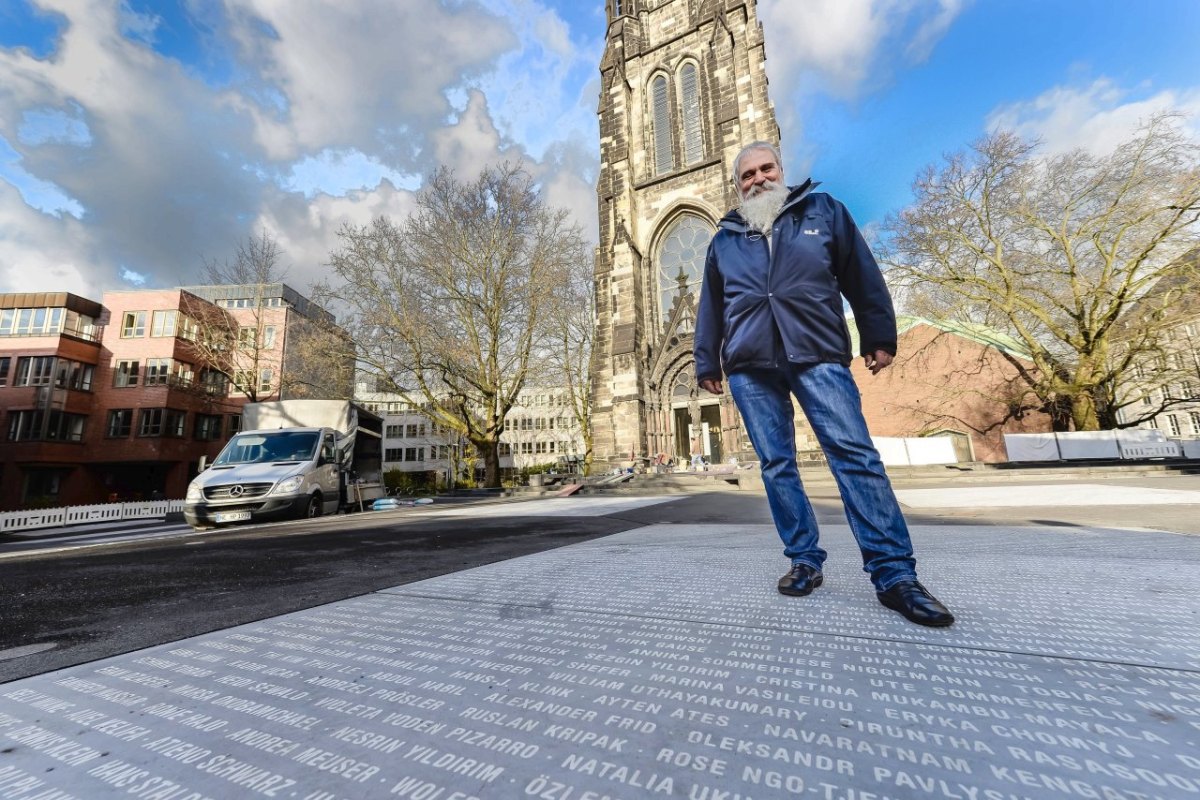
(314, 506)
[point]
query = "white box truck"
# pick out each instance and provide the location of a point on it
(292, 459)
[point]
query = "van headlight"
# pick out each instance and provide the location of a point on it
(289, 485)
(194, 493)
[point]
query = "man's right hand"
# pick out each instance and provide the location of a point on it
(712, 386)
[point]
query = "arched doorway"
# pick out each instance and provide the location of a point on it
(695, 422)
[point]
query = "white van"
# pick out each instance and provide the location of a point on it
(286, 472)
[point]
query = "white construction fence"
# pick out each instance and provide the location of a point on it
(1095, 445)
(915, 451)
(79, 515)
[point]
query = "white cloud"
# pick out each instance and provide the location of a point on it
(359, 74)
(533, 94)
(331, 112)
(44, 253)
(841, 46)
(1097, 117)
(843, 49)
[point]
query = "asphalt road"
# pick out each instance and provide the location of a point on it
(67, 606)
(86, 603)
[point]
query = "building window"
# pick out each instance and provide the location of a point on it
(158, 371)
(411, 453)
(213, 382)
(664, 157)
(393, 454)
(265, 376)
(66, 427)
(268, 337)
(126, 373)
(184, 373)
(151, 422)
(133, 324)
(4, 364)
(1173, 424)
(52, 426)
(174, 423)
(163, 323)
(34, 371)
(30, 321)
(188, 328)
(1194, 418)
(393, 431)
(246, 337)
(207, 427)
(693, 141)
(120, 423)
(24, 425)
(235, 424)
(681, 259)
(73, 375)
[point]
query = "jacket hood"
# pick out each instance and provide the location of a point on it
(734, 221)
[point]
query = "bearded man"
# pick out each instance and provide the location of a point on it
(770, 318)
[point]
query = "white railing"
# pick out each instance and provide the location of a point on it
(79, 515)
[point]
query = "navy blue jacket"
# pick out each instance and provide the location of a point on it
(762, 306)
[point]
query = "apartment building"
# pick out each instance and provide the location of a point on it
(1166, 383)
(539, 430)
(121, 399)
(50, 352)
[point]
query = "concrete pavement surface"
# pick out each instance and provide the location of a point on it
(660, 662)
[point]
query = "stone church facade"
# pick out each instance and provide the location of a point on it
(683, 88)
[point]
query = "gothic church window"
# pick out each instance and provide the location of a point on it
(664, 155)
(689, 92)
(681, 259)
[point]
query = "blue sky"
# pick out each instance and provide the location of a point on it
(140, 137)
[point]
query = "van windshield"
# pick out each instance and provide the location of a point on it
(265, 448)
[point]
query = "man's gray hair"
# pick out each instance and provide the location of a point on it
(759, 145)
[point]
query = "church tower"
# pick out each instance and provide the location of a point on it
(683, 88)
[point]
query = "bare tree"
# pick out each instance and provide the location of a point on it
(1056, 252)
(564, 352)
(449, 306)
(242, 345)
(319, 361)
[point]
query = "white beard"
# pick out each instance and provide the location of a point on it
(761, 209)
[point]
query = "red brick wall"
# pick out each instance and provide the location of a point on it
(943, 381)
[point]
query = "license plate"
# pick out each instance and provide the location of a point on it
(232, 516)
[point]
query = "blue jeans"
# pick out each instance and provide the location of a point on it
(830, 399)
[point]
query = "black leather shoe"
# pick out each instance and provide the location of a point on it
(917, 605)
(801, 580)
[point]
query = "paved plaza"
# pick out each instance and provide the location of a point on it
(661, 662)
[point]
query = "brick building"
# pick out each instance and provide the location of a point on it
(121, 399)
(948, 379)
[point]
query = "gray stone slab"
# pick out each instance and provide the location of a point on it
(1129, 597)
(514, 681)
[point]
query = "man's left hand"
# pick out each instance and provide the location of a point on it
(877, 361)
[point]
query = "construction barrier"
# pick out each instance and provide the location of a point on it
(78, 515)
